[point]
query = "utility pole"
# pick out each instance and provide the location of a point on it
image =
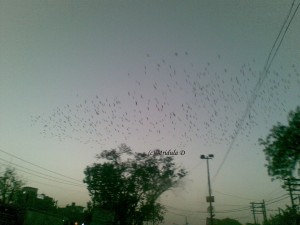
(253, 212)
(209, 198)
(289, 186)
(292, 184)
(186, 221)
(264, 211)
(259, 208)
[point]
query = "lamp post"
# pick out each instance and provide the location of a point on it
(210, 198)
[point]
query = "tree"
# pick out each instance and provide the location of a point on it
(287, 217)
(227, 221)
(10, 186)
(88, 213)
(129, 184)
(282, 147)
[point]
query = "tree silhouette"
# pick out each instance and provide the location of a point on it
(128, 184)
(282, 147)
(289, 216)
(10, 186)
(227, 221)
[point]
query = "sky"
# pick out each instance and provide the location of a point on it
(79, 77)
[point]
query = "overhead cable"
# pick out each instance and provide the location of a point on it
(23, 160)
(259, 83)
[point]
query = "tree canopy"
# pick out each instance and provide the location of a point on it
(289, 216)
(282, 147)
(129, 184)
(10, 185)
(227, 221)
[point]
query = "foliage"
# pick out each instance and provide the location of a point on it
(287, 217)
(282, 147)
(10, 186)
(227, 221)
(87, 214)
(128, 184)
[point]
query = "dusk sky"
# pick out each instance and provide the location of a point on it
(78, 77)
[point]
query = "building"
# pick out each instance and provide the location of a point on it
(29, 198)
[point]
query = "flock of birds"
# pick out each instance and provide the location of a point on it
(175, 103)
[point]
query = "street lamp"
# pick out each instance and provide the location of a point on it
(209, 198)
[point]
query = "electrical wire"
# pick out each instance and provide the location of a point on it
(42, 175)
(278, 35)
(257, 87)
(47, 178)
(277, 200)
(233, 210)
(204, 212)
(178, 214)
(235, 196)
(182, 210)
(286, 29)
(55, 186)
(40, 167)
(68, 189)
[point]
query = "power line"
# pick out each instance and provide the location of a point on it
(257, 87)
(23, 160)
(278, 200)
(234, 210)
(55, 186)
(178, 214)
(216, 204)
(204, 212)
(184, 210)
(231, 195)
(286, 29)
(278, 35)
(46, 176)
(49, 184)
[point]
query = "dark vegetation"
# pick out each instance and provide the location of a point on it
(128, 184)
(282, 147)
(282, 150)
